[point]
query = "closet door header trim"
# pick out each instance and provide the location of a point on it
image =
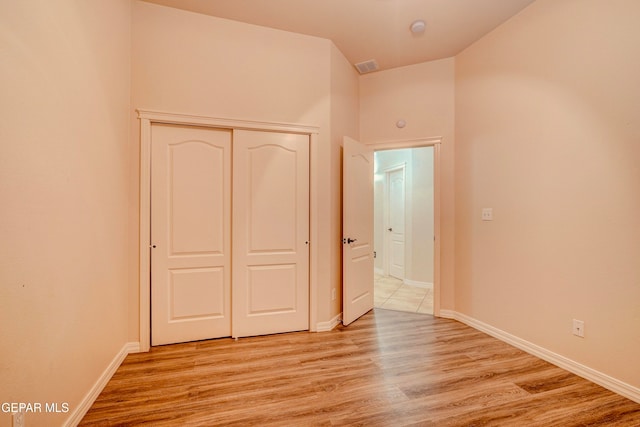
(194, 120)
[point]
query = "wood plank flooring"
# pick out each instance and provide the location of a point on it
(387, 369)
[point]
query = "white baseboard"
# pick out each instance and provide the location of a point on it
(92, 395)
(327, 326)
(447, 314)
(604, 380)
(417, 284)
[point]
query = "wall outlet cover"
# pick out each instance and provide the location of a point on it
(487, 214)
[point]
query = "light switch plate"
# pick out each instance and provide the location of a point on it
(487, 214)
(578, 328)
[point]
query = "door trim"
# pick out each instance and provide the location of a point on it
(434, 142)
(149, 117)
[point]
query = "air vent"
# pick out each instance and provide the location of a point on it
(367, 66)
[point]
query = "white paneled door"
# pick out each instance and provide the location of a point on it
(270, 232)
(357, 247)
(395, 228)
(190, 233)
(230, 251)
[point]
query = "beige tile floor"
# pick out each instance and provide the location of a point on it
(393, 294)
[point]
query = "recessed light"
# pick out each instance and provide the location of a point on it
(418, 26)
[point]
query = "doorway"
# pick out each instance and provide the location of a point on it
(404, 232)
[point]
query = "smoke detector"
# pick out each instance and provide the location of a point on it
(418, 26)
(367, 66)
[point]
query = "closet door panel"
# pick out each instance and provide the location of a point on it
(190, 232)
(270, 233)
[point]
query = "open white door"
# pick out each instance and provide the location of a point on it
(357, 225)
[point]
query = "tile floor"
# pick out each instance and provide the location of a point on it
(393, 294)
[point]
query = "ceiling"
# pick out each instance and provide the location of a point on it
(371, 29)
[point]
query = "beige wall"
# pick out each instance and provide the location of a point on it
(422, 219)
(64, 73)
(185, 62)
(422, 95)
(547, 134)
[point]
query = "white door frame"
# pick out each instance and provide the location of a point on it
(148, 117)
(386, 252)
(415, 143)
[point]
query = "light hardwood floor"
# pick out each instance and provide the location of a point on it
(388, 368)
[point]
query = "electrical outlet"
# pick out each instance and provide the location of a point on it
(333, 294)
(578, 328)
(487, 214)
(17, 419)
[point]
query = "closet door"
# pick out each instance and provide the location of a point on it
(190, 233)
(270, 232)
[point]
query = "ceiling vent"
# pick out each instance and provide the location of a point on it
(367, 66)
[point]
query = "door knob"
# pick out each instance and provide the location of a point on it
(350, 240)
(390, 229)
